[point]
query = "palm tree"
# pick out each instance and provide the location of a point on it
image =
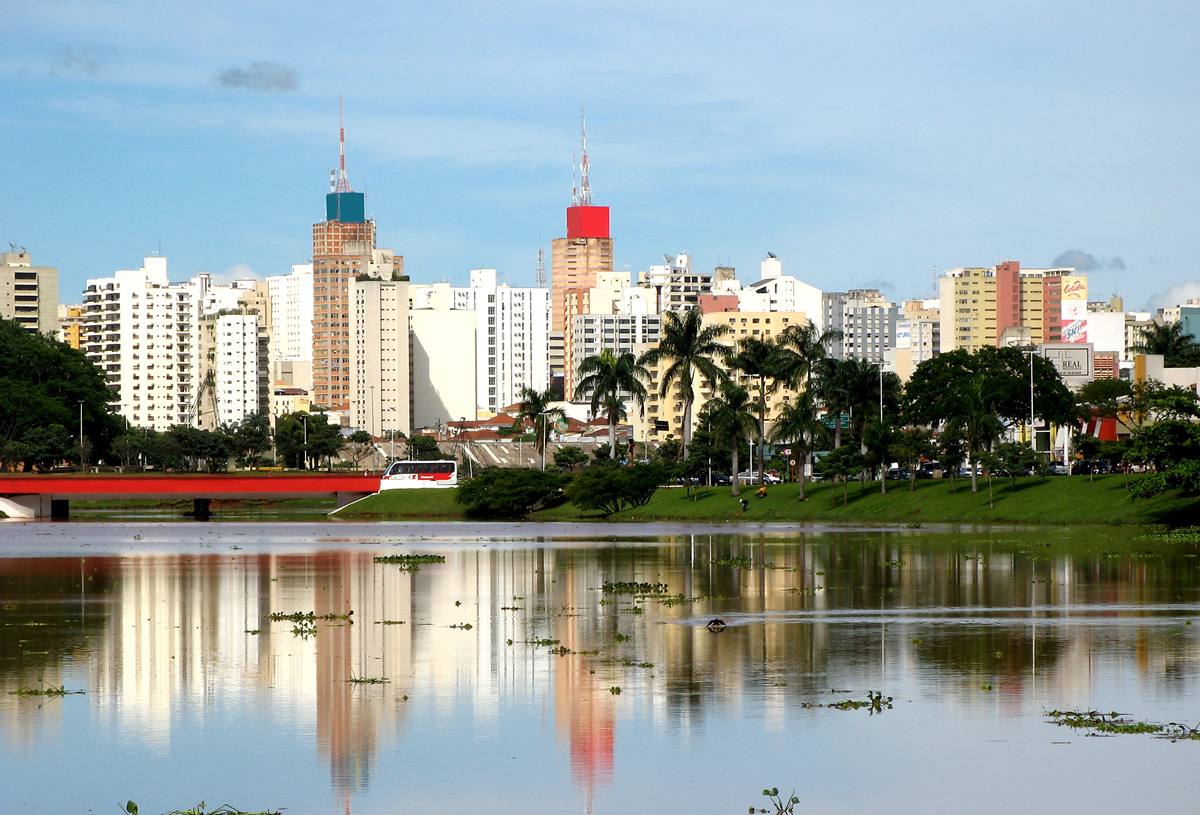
(799, 423)
(732, 419)
(975, 420)
(1179, 350)
(535, 406)
(691, 348)
(802, 348)
(760, 360)
(606, 377)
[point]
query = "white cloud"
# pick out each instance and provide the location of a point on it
(1174, 296)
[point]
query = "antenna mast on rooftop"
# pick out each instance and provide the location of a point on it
(541, 270)
(342, 185)
(585, 189)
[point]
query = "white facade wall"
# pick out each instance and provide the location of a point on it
(776, 291)
(443, 348)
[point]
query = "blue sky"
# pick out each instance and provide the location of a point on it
(864, 143)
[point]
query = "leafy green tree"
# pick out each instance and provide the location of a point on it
(913, 445)
(610, 490)
(1178, 349)
(45, 446)
(732, 419)
(251, 438)
(325, 440)
(603, 454)
(497, 492)
(952, 452)
(43, 382)
(423, 448)
(201, 449)
(1015, 458)
(359, 446)
(798, 424)
(690, 348)
(854, 386)
(605, 377)
(1166, 444)
(1153, 401)
(570, 458)
(536, 407)
(841, 463)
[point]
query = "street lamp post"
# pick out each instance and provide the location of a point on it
(82, 460)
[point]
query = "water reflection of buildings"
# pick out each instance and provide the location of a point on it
(853, 612)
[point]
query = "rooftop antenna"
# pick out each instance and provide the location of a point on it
(541, 270)
(574, 186)
(585, 189)
(343, 185)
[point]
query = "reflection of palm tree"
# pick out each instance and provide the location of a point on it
(732, 419)
(799, 423)
(605, 377)
(1178, 349)
(760, 360)
(535, 406)
(691, 347)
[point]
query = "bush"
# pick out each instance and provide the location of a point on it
(504, 493)
(611, 489)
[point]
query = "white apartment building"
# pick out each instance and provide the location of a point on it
(512, 330)
(776, 291)
(28, 293)
(676, 286)
(619, 333)
(867, 322)
(442, 351)
(232, 369)
(291, 298)
(143, 333)
(380, 393)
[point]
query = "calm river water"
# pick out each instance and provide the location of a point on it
(507, 680)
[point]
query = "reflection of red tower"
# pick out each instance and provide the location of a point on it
(585, 709)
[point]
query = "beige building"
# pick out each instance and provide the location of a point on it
(763, 325)
(28, 293)
(981, 306)
(70, 325)
(380, 393)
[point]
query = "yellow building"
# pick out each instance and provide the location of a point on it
(760, 324)
(1005, 303)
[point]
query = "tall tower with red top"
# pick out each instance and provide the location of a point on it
(577, 259)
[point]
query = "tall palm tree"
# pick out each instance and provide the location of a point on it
(975, 420)
(760, 360)
(691, 348)
(799, 424)
(1179, 350)
(731, 414)
(606, 376)
(535, 406)
(802, 348)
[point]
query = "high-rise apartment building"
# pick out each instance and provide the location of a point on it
(291, 297)
(28, 293)
(677, 287)
(343, 249)
(380, 395)
(775, 291)
(867, 322)
(143, 332)
(1008, 304)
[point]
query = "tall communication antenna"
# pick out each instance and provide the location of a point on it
(574, 186)
(585, 189)
(343, 185)
(541, 272)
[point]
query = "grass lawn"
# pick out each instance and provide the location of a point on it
(1062, 500)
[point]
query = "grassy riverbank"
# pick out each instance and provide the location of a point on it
(1074, 500)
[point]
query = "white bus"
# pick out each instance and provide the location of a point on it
(403, 475)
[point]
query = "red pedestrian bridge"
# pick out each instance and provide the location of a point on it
(38, 496)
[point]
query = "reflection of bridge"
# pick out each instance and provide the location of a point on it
(36, 496)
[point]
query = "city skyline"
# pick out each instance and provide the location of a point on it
(864, 147)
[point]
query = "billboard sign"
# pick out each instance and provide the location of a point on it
(1072, 360)
(1075, 332)
(1074, 299)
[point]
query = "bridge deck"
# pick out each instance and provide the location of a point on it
(154, 485)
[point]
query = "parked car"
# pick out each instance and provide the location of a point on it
(751, 477)
(721, 480)
(1058, 468)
